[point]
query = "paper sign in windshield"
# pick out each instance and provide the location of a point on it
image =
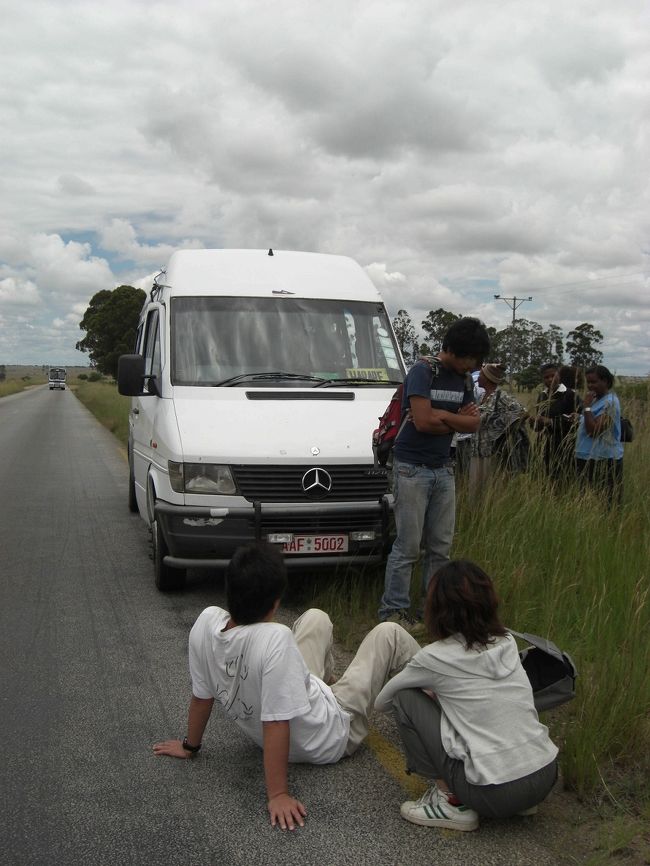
(376, 374)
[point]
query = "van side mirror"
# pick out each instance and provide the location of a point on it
(130, 375)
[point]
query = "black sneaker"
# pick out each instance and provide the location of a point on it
(409, 623)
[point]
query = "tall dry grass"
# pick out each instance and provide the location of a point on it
(567, 568)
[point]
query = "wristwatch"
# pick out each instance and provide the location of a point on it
(587, 409)
(188, 748)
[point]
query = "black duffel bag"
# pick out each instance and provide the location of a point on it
(551, 671)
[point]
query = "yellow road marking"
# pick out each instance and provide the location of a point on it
(392, 761)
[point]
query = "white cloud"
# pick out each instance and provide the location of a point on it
(70, 184)
(452, 160)
(18, 293)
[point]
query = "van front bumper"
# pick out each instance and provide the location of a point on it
(207, 537)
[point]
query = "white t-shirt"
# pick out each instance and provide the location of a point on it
(257, 674)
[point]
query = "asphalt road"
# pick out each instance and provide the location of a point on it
(94, 671)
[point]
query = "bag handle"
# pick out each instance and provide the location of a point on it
(540, 642)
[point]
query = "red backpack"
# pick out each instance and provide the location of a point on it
(393, 420)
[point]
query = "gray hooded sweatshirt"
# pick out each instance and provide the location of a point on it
(488, 719)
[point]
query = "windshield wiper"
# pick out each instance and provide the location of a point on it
(328, 383)
(277, 376)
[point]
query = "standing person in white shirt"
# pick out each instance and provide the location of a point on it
(272, 681)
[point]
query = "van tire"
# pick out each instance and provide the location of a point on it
(133, 502)
(167, 579)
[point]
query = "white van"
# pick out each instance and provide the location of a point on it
(258, 379)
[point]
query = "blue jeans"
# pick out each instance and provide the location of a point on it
(425, 515)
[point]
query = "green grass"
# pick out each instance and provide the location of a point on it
(109, 407)
(565, 568)
(15, 385)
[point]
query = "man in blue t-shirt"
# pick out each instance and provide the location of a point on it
(440, 402)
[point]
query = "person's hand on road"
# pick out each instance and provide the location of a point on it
(173, 748)
(286, 811)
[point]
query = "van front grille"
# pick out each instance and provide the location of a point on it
(310, 483)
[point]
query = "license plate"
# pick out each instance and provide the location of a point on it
(316, 544)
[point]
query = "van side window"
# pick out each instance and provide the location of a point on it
(138, 340)
(152, 349)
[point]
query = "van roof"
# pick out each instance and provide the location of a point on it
(255, 272)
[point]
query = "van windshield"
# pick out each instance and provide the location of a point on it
(232, 340)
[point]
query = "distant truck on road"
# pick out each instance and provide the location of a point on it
(56, 378)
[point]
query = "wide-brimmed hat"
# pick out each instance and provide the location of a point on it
(495, 373)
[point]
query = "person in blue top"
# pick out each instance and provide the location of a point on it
(438, 402)
(599, 450)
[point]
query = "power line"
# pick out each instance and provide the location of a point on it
(614, 277)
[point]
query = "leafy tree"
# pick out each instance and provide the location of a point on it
(436, 325)
(581, 345)
(406, 336)
(528, 378)
(3, 372)
(555, 339)
(110, 323)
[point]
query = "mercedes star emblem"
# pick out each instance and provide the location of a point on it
(316, 483)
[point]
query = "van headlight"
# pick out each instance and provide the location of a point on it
(201, 478)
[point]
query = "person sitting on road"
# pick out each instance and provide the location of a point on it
(272, 681)
(465, 711)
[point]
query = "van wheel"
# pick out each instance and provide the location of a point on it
(167, 579)
(133, 502)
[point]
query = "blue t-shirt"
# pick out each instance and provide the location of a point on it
(607, 445)
(446, 391)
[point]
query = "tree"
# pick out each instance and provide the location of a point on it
(405, 336)
(110, 322)
(581, 343)
(436, 325)
(527, 378)
(555, 339)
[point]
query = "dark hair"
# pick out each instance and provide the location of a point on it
(461, 600)
(256, 578)
(551, 365)
(603, 374)
(467, 338)
(570, 377)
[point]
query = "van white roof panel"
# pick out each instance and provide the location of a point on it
(254, 272)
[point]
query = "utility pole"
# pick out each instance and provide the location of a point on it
(514, 304)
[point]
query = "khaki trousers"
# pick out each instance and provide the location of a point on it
(383, 653)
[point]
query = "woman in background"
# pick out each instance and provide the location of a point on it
(494, 445)
(599, 450)
(465, 711)
(556, 411)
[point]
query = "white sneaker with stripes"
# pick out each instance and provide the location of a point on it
(433, 809)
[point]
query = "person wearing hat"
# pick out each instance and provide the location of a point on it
(499, 412)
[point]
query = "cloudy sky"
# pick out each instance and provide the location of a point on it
(455, 149)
